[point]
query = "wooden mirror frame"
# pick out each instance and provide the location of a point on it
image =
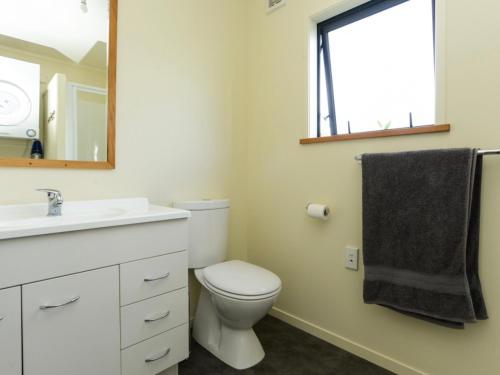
(110, 163)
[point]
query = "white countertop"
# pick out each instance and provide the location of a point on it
(31, 219)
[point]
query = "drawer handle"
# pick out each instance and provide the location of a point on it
(162, 316)
(158, 357)
(72, 300)
(150, 279)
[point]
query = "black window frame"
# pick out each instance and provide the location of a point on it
(355, 14)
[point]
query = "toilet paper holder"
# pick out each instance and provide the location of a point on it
(318, 211)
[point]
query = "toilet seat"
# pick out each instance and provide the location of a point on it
(239, 296)
(241, 280)
(199, 276)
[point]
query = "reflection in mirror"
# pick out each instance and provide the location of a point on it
(53, 79)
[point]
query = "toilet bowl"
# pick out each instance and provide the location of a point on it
(227, 312)
(234, 295)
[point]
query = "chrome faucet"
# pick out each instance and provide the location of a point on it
(55, 201)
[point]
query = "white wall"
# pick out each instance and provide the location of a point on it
(283, 176)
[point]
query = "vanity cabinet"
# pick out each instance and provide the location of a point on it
(151, 277)
(71, 324)
(154, 313)
(156, 354)
(107, 301)
(143, 320)
(10, 332)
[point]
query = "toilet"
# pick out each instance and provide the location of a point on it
(235, 294)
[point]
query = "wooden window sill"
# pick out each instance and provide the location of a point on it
(379, 134)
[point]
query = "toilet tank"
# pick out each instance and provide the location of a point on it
(208, 231)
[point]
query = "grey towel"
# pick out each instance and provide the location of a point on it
(421, 234)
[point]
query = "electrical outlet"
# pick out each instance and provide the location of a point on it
(351, 257)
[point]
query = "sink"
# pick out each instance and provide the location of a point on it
(36, 215)
(31, 219)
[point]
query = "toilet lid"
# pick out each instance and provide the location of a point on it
(241, 278)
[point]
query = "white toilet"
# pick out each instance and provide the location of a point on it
(235, 295)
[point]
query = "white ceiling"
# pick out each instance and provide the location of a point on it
(59, 24)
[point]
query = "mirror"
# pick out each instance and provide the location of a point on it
(57, 83)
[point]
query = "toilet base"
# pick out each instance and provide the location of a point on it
(238, 348)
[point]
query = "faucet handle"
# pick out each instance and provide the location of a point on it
(52, 193)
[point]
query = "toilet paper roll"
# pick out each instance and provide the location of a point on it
(318, 211)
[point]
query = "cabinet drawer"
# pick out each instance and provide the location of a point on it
(71, 325)
(151, 317)
(10, 331)
(151, 277)
(157, 354)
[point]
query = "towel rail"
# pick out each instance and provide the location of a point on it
(359, 158)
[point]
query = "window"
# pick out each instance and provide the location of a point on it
(376, 68)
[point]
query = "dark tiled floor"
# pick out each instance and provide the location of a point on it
(289, 351)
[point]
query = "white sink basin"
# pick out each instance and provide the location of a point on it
(31, 219)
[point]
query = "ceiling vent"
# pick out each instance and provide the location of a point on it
(272, 5)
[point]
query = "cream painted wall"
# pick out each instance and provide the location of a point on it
(283, 176)
(175, 133)
(212, 99)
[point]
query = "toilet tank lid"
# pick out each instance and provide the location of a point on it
(204, 204)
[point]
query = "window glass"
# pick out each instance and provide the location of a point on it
(382, 71)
